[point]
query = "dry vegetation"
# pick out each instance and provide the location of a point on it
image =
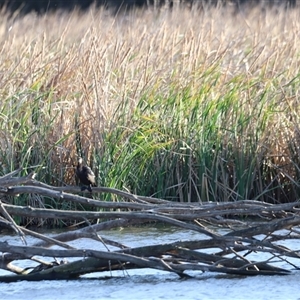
(184, 104)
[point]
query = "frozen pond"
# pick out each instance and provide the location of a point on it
(154, 284)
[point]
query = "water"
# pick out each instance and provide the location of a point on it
(153, 284)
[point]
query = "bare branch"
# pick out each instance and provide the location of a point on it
(232, 248)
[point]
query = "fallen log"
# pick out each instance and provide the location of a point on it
(277, 223)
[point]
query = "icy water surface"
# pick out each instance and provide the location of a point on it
(153, 284)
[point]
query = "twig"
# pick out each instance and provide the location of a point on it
(12, 223)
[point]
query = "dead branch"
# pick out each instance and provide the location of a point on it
(243, 220)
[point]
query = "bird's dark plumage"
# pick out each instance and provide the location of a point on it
(85, 175)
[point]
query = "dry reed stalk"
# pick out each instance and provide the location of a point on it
(89, 64)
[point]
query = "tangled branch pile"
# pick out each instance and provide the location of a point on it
(251, 226)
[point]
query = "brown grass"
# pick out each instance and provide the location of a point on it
(85, 72)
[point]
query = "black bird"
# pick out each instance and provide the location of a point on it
(85, 175)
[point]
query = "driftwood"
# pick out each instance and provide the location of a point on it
(243, 220)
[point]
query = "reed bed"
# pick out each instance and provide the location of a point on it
(183, 104)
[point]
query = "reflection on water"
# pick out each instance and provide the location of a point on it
(148, 283)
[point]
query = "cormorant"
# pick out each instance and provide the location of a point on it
(85, 175)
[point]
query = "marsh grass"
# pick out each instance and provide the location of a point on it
(185, 105)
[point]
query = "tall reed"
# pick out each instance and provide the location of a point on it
(187, 105)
